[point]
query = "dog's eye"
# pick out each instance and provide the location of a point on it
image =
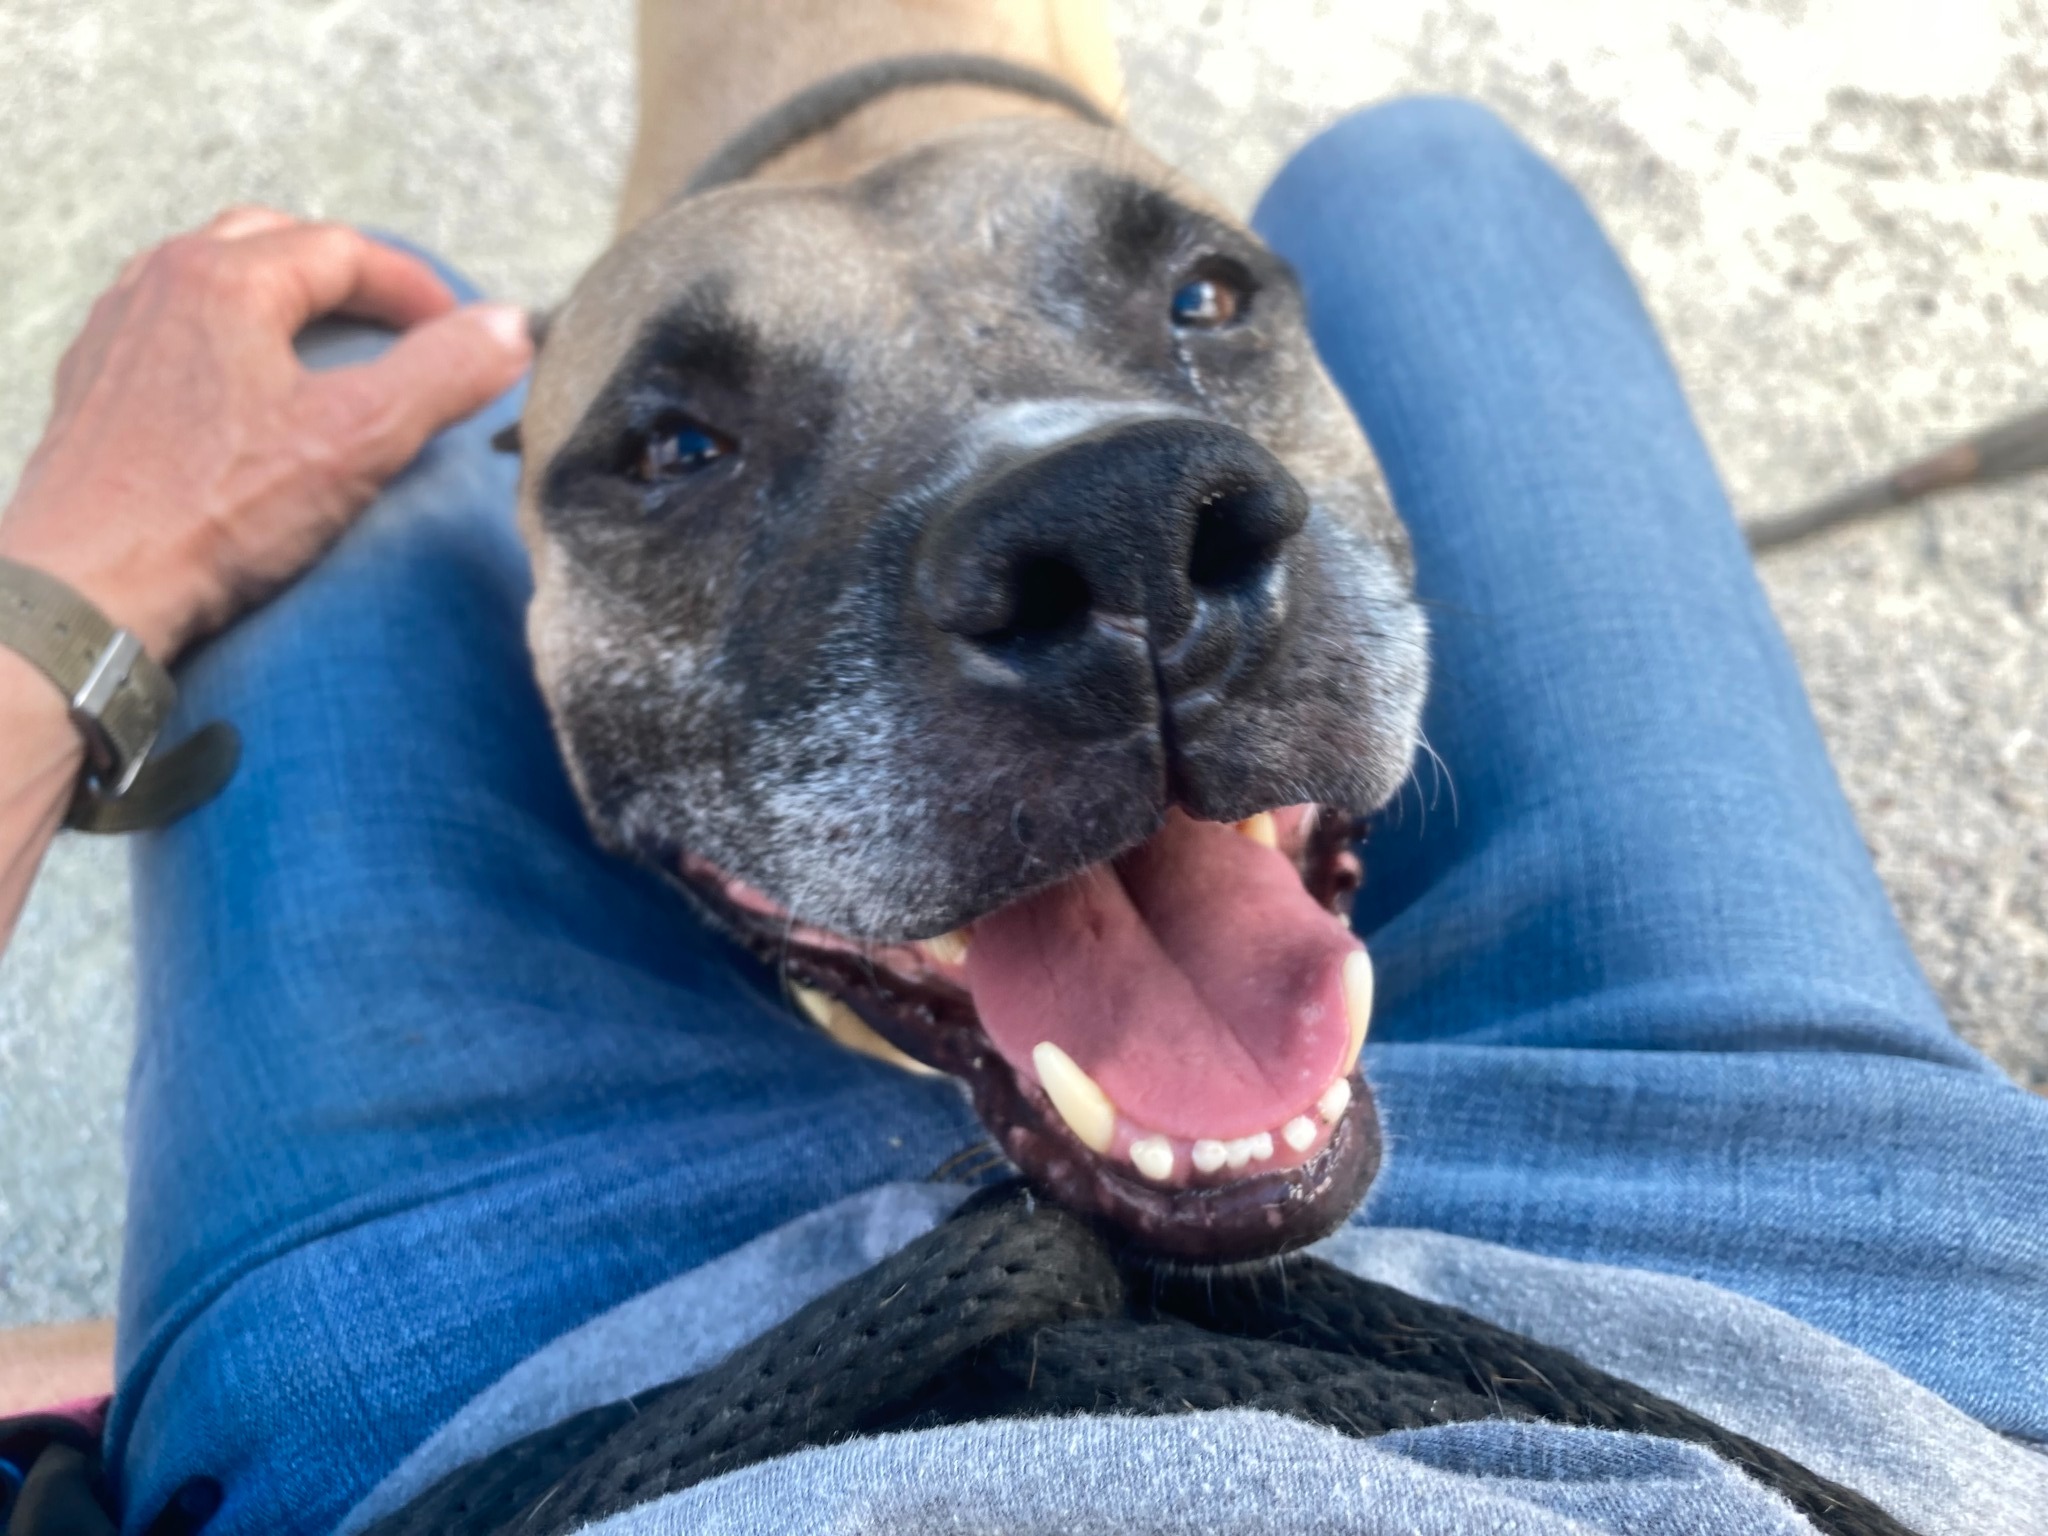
(678, 446)
(1210, 301)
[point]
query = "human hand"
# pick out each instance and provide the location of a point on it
(192, 465)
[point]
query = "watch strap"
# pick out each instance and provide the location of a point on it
(170, 784)
(119, 698)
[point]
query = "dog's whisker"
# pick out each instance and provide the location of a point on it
(967, 1164)
(1445, 778)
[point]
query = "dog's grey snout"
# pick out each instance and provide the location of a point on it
(1091, 572)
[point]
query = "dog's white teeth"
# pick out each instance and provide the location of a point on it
(1298, 1132)
(947, 948)
(853, 1031)
(821, 1009)
(1357, 982)
(1261, 829)
(1262, 1147)
(1335, 1100)
(1237, 1153)
(1077, 1096)
(1208, 1155)
(1153, 1157)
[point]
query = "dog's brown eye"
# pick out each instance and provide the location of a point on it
(1207, 303)
(678, 446)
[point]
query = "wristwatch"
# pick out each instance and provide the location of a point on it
(119, 700)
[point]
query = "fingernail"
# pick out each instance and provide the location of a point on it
(506, 323)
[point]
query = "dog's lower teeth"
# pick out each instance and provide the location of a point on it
(1299, 1132)
(1153, 1157)
(1248, 1149)
(1335, 1100)
(1076, 1096)
(853, 1031)
(1357, 984)
(1208, 1155)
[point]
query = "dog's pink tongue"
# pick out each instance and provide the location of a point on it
(1194, 979)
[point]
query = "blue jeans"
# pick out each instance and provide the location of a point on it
(424, 1079)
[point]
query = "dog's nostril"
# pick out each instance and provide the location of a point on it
(1051, 599)
(1172, 533)
(1232, 547)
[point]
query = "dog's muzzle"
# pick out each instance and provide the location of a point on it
(1116, 573)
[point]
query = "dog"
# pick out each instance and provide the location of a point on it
(955, 570)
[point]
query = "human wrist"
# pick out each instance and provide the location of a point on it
(37, 721)
(143, 603)
(42, 755)
(118, 698)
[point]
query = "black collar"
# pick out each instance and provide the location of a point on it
(832, 100)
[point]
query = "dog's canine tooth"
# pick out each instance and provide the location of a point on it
(1078, 1098)
(1153, 1157)
(1335, 1100)
(1261, 830)
(1298, 1132)
(947, 948)
(1357, 982)
(853, 1031)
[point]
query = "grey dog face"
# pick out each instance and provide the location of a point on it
(850, 583)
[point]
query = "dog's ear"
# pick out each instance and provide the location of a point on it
(507, 440)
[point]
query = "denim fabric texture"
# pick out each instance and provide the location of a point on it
(424, 1080)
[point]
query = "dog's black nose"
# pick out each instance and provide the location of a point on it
(1091, 575)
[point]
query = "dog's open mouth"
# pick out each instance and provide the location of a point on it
(1168, 1038)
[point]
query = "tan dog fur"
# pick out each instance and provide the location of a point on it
(708, 69)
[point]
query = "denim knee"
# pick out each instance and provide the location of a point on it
(465, 291)
(1452, 132)
(1394, 142)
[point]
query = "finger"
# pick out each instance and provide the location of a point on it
(310, 270)
(432, 376)
(234, 223)
(243, 220)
